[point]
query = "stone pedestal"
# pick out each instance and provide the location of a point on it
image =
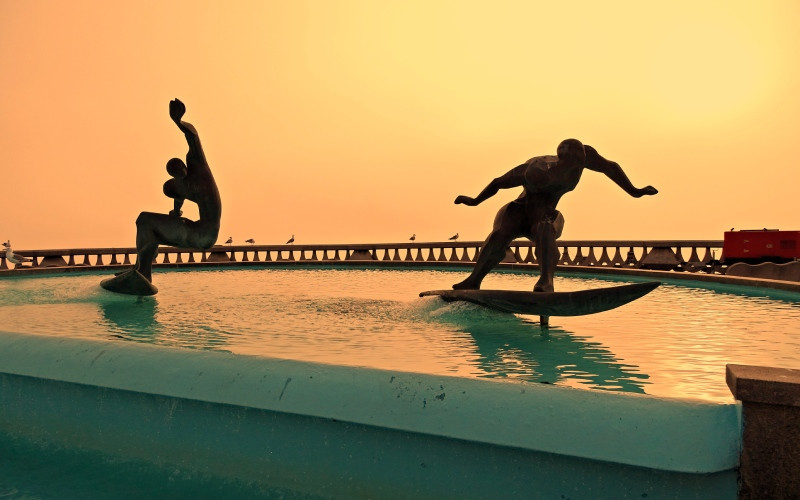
(770, 459)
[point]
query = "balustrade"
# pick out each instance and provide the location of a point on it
(653, 254)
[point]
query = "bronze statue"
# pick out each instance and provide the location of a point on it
(544, 179)
(190, 181)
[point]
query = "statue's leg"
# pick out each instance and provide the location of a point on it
(547, 232)
(507, 226)
(153, 229)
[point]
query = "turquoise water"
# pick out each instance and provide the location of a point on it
(675, 341)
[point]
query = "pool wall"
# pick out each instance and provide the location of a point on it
(346, 431)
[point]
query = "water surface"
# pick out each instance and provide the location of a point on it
(675, 341)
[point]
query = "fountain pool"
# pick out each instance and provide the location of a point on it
(343, 382)
(674, 342)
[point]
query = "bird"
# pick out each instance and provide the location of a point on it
(291, 240)
(230, 240)
(12, 257)
(413, 237)
(251, 241)
(454, 237)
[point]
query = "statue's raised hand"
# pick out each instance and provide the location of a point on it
(465, 200)
(648, 190)
(176, 110)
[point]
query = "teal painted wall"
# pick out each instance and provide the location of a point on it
(339, 430)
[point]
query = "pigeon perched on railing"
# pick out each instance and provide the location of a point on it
(291, 240)
(230, 241)
(454, 237)
(413, 237)
(14, 258)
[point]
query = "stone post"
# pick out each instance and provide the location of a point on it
(770, 458)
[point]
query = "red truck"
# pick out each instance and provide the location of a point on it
(760, 245)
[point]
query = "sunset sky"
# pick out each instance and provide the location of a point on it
(361, 121)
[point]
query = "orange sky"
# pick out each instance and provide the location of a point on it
(345, 121)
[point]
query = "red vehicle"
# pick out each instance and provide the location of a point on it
(760, 245)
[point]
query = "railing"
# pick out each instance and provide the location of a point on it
(666, 255)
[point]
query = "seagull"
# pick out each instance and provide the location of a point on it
(14, 258)
(454, 237)
(413, 237)
(230, 240)
(291, 240)
(251, 241)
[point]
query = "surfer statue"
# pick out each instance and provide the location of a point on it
(190, 181)
(544, 179)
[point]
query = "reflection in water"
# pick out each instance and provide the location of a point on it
(136, 319)
(514, 347)
(132, 319)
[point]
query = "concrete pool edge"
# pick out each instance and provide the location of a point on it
(644, 431)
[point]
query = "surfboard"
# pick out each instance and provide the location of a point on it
(550, 303)
(130, 282)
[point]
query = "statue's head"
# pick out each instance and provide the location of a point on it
(571, 150)
(176, 168)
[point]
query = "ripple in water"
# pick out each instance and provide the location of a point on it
(673, 342)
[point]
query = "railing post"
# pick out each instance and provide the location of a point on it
(770, 454)
(531, 257)
(579, 258)
(565, 260)
(605, 260)
(589, 260)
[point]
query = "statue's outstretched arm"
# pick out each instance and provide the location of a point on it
(176, 111)
(511, 179)
(613, 171)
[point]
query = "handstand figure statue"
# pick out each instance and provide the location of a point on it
(544, 179)
(190, 181)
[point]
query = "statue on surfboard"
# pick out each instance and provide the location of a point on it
(544, 179)
(190, 181)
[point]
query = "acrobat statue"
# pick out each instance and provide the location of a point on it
(190, 181)
(545, 180)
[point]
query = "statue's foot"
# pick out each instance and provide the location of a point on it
(544, 286)
(129, 282)
(467, 284)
